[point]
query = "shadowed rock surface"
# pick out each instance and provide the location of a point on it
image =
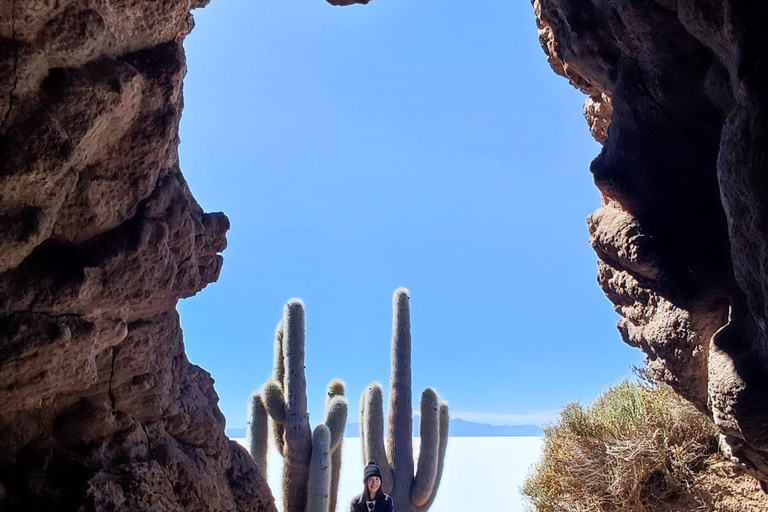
(100, 410)
(678, 95)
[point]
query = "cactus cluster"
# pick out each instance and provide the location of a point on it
(312, 459)
(410, 492)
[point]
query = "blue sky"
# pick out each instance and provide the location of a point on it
(417, 143)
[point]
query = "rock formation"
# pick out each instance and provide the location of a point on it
(343, 3)
(678, 95)
(99, 238)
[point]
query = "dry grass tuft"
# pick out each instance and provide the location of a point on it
(639, 448)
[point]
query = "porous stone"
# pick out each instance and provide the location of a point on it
(99, 238)
(678, 95)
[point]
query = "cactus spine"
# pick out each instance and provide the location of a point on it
(308, 468)
(410, 493)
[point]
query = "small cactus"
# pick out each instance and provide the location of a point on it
(410, 493)
(310, 467)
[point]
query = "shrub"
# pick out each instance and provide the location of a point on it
(639, 448)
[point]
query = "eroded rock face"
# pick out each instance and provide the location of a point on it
(679, 97)
(99, 238)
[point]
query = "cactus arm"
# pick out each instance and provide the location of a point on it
(400, 435)
(274, 403)
(278, 375)
(426, 469)
(298, 436)
(372, 423)
(443, 445)
(258, 431)
(279, 364)
(336, 419)
(336, 410)
(319, 487)
(335, 475)
(295, 387)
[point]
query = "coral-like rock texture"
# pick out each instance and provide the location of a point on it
(100, 410)
(678, 95)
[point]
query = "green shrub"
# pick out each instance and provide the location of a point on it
(639, 448)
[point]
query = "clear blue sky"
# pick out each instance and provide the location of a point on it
(424, 144)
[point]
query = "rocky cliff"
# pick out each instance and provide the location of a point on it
(99, 238)
(678, 95)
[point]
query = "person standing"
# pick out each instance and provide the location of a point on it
(372, 499)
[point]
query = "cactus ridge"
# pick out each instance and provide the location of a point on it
(311, 466)
(411, 492)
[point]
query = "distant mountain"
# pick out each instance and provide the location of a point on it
(236, 433)
(461, 428)
(458, 428)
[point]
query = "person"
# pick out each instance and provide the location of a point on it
(373, 498)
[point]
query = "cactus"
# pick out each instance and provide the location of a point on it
(410, 493)
(310, 467)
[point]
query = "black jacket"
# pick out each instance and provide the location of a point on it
(383, 503)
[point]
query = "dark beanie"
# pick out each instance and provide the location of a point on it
(371, 470)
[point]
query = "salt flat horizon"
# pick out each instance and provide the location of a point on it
(480, 473)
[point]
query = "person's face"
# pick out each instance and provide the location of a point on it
(373, 484)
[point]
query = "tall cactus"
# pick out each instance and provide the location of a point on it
(410, 493)
(309, 484)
